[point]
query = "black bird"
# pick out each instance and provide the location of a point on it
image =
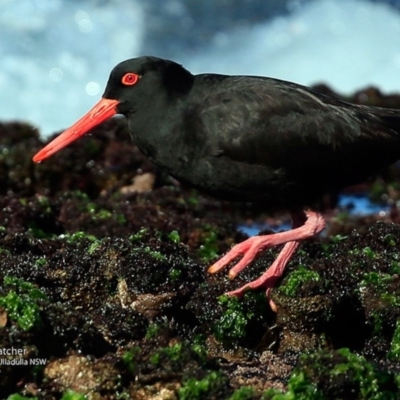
(246, 138)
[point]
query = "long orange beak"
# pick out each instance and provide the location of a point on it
(103, 110)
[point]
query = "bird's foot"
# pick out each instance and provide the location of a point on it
(305, 225)
(247, 249)
(270, 277)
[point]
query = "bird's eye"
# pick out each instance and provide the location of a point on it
(130, 79)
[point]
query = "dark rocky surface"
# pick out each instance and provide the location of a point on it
(103, 275)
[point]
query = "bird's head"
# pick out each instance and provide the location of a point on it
(133, 85)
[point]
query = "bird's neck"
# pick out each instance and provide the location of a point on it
(154, 134)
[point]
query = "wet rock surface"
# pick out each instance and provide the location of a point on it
(103, 277)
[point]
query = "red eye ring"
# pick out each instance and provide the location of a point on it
(129, 79)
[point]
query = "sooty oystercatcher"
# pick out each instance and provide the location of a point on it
(246, 138)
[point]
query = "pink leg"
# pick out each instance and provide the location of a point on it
(305, 225)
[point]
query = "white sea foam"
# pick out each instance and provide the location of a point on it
(56, 55)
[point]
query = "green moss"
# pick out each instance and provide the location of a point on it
(45, 204)
(22, 302)
(366, 251)
(138, 235)
(71, 395)
(299, 388)
(152, 331)
(91, 208)
(327, 249)
(296, 279)
(38, 233)
(120, 218)
(326, 375)
(391, 299)
(154, 253)
(199, 347)
(103, 214)
(83, 236)
(389, 240)
(17, 396)
(376, 279)
(175, 274)
(233, 321)
(301, 252)
(358, 368)
(172, 353)
(4, 251)
(129, 358)
(338, 238)
(174, 237)
(194, 389)
(94, 246)
(379, 282)
(87, 206)
(209, 249)
(155, 359)
(394, 352)
(394, 268)
(81, 195)
(193, 199)
(375, 319)
(369, 253)
(78, 236)
(244, 393)
(328, 246)
(40, 262)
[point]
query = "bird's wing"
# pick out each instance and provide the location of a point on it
(270, 122)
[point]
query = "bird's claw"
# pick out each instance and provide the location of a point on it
(247, 249)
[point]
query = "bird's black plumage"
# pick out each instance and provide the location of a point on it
(250, 138)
